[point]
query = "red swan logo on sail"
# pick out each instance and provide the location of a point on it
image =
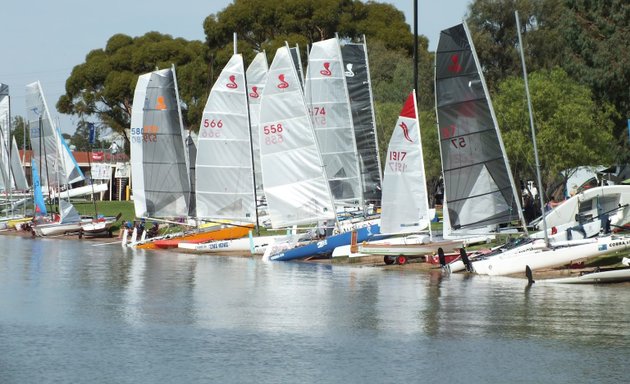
(405, 130)
(283, 84)
(326, 70)
(455, 66)
(254, 93)
(232, 84)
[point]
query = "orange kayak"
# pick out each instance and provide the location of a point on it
(228, 232)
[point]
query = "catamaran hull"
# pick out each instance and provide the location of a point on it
(54, 229)
(554, 257)
(254, 245)
(409, 249)
(603, 277)
(325, 247)
(232, 232)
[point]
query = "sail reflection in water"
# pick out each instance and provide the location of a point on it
(106, 314)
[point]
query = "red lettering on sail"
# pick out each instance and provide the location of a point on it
(455, 66)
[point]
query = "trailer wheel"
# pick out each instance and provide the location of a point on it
(401, 260)
(389, 260)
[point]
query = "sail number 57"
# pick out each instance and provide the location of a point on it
(273, 133)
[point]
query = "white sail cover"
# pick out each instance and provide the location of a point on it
(478, 184)
(256, 78)
(296, 186)
(405, 205)
(327, 98)
(57, 165)
(161, 186)
(224, 175)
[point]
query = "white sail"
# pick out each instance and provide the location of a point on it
(58, 166)
(405, 206)
(256, 78)
(327, 98)
(296, 186)
(161, 186)
(5, 131)
(224, 178)
(19, 179)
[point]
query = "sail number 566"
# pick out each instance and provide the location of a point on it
(273, 133)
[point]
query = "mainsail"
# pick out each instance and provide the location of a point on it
(256, 78)
(161, 185)
(12, 173)
(405, 206)
(296, 187)
(329, 105)
(57, 165)
(224, 176)
(478, 184)
(357, 72)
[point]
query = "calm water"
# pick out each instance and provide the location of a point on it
(71, 312)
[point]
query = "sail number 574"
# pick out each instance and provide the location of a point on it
(273, 133)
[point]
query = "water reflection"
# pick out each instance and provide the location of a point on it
(133, 300)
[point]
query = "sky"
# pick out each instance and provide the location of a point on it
(43, 40)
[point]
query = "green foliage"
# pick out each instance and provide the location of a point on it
(102, 87)
(267, 25)
(21, 133)
(598, 50)
(571, 129)
(588, 39)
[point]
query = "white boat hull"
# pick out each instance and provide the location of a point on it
(255, 245)
(53, 229)
(516, 262)
(602, 277)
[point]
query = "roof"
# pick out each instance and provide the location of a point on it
(82, 157)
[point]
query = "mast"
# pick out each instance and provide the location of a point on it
(531, 124)
(251, 147)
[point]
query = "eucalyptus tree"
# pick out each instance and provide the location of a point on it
(102, 87)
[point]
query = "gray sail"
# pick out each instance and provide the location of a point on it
(357, 73)
(477, 180)
(161, 185)
(297, 61)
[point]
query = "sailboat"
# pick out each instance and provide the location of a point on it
(329, 116)
(12, 178)
(58, 169)
(327, 98)
(159, 162)
(405, 205)
(455, 60)
(227, 155)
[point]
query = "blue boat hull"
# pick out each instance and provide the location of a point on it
(326, 246)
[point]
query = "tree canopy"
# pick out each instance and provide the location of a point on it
(104, 84)
(571, 128)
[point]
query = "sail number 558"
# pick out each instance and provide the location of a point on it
(273, 133)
